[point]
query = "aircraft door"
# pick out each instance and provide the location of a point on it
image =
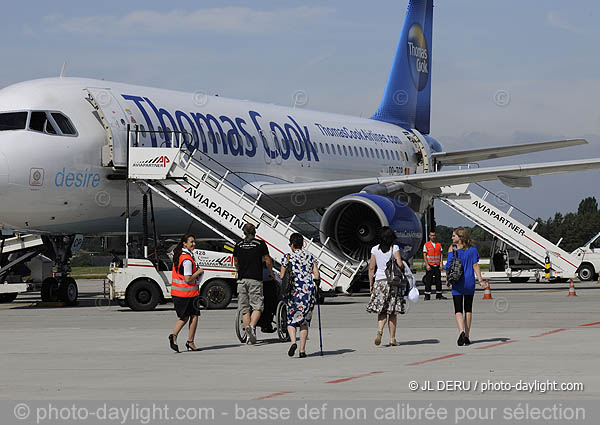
(114, 120)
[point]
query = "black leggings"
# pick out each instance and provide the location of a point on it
(458, 303)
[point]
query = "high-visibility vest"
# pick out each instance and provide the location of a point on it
(434, 253)
(178, 286)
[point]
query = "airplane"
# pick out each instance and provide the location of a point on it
(63, 155)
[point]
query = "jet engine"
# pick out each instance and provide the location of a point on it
(352, 224)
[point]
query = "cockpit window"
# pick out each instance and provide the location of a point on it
(39, 122)
(13, 121)
(64, 124)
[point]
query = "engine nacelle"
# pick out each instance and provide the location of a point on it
(353, 224)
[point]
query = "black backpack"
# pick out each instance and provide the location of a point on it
(455, 271)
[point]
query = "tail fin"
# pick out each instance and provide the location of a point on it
(407, 97)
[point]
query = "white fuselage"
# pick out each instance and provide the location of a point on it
(57, 184)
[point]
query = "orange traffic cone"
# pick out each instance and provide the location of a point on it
(487, 293)
(572, 289)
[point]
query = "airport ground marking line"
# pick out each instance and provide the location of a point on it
(591, 324)
(449, 356)
(339, 381)
(548, 333)
(274, 395)
(497, 344)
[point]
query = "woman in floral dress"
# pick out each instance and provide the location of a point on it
(300, 305)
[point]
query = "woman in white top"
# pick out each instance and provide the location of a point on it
(384, 302)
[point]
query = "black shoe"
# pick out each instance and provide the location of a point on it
(268, 329)
(427, 297)
(292, 350)
(302, 355)
(189, 347)
(440, 297)
(467, 340)
(174, 346)
(461, 339)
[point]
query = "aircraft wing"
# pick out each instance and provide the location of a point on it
(311, 195)
(473, 155)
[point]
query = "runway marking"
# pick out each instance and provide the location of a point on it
(449, 356)
(274, 395)
(591, 324)
(496, 345)
(338, 381)
(548, 333)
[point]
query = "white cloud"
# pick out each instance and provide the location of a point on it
(555, 20)
(225, 19)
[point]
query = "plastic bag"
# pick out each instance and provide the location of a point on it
(413, 295)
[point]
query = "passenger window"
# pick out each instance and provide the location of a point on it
(339, 150)
(372, 154)
(345, 151)
(13, 121)
(327, 147)
(160, 133)
(321, 146)
(377, 153)
(39, 122)
(367, 152)
(361, 151)
(350, 150)
(65, 125)
(355, 151)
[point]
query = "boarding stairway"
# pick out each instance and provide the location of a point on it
(508, 229)
(213, 200)
(18, 250)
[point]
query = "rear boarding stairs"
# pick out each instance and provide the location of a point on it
(505, 227)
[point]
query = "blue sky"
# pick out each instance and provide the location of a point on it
(542, 54)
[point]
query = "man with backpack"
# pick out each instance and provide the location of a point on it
(248, 256)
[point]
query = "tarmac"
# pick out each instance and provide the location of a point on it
(528, 333)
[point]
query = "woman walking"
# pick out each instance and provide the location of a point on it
(185, 292)
(385, 301)
(464, 289)
(301, 303)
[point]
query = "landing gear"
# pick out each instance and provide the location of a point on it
(50, 290)
(62, 287)
(68, 291)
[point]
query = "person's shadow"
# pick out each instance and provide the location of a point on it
(481, 341)
(421, 342)
(331, 353)
(215, 347)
